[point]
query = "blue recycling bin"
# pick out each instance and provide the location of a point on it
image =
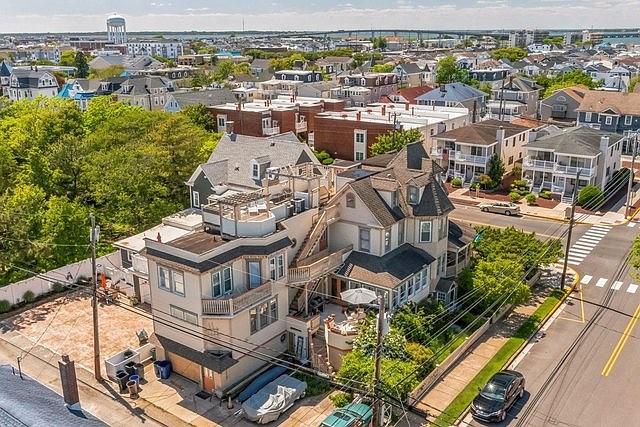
(162, 368)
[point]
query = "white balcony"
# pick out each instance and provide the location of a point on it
(301, 126)
(316, 267)
(460, 157)
(535, 164)
(233, 304)
(560, 169)
(270, 131)
(436, 153)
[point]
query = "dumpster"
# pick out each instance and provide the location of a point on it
(163, 368)
(140, 370)
(121, 379)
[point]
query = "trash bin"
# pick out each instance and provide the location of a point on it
(152, 350)
(130, 367)
(164, 368)
(135, 378)
(133, 388)
(140, 370)
(156, 368)
(121, 379)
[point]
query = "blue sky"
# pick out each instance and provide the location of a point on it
(203, 15)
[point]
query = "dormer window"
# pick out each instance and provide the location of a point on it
(255, 170)
(412, 195)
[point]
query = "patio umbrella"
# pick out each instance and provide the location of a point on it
(358, 296)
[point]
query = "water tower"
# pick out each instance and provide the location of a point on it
(116, 29)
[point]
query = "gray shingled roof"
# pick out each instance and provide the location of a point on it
(579, 141)
(27, 402)
(205, 97)
(388, 270)
(281, 150)
(370, 197)
(452, 92)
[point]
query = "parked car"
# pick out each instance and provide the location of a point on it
(353, 415)
(505, 208)
(497, 396)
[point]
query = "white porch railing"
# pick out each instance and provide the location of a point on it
(545, 165)
(273, 130)
(468, 158)
(235, 303)
(301, 126)
(436, 153)
(318, 268)
(573, 170)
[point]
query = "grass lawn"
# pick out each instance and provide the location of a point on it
(463, 400)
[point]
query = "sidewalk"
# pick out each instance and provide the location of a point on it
(456, 379)
(558, 213)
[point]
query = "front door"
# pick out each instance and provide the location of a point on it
(207, 380)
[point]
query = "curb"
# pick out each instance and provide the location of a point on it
(567, 292)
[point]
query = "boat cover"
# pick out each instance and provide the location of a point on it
(273, 399)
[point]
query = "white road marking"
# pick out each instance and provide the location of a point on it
(631, 224)
(583, 247)
(588, 239)
(595, 233)
(632, 288)
(586, 279)
(601, 282)
(604, 227)
(575, 259)
(573, 262)
(580, 251)
(616, 285)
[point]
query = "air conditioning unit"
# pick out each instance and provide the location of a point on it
(272, 174)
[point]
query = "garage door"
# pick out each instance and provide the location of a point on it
(185, 367)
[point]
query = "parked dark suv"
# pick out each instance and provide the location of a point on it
(497, 396)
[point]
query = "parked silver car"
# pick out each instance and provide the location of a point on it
(505, 208)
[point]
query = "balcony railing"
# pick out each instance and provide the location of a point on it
(468, 158)
(531, 163)
(322, 266)
(573, 170)
(236, 303)
(273, 130)
(301, 126)
(436, 153)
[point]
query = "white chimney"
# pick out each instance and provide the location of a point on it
(500, 134)
(604, 144)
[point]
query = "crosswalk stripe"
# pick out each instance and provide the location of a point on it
(580, 251)
(603, 227)
(573, 262)
(575, 258)
(586, 279)
(591, 238)
(632, 288)
(601, 282)
(616, 285)
(631, 224)
(583, 247)
(595, 233)
(588, 242)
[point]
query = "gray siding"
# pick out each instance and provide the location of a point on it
(204, 189)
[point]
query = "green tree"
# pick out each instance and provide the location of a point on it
(64, 232)
(448, 71)
(82, 67)
(414, 323)
(223, 71)
(632, 84)
(379, 43)
(395, 140)
(496, 168)
(357, 366)
(67, 58)
(590, 197)
(199, 116)
(513, 54)
(110, 71)
(201, 79)
(102, 109)
(242, 68)
(494, 279)
(383, 68)
(634, 258)
(518, 246)
(573, 78)
(393, 344)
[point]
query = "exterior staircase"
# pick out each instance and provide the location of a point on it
(315, 233)
(298, 303)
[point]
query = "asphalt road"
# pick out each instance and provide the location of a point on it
(585, 371)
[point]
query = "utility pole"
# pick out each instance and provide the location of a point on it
(94, 278)
(501, 99)
(573, 212)
(377, 404)
(631, 175)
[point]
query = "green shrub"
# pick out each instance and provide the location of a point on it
(456, 182)
(514, 196)
(5, 306)
(523, 192)
(315, 385)
(58, 287)
(590, 197)
(341, 399)
(531, 198)
(421, 356)
(545, 195)
(29, 296)
(520, 183)
(474, 185)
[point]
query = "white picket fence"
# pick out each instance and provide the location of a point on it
(43, 283)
